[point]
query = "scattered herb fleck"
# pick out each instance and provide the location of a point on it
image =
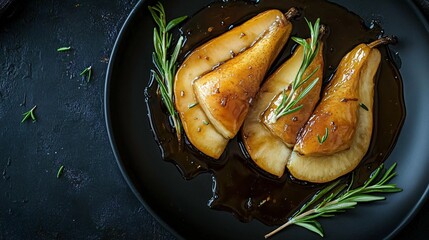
(63, 49)
(323, 139)
(205, 122)
(87, 72)
(29, 114)
(60, 171)
(363, 106)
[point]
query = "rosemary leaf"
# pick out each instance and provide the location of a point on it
(337, 206)
(174, 22)
(323, 139)
(363, 106)
(366, 198)
(29, 114)
(87, 72)
(388, 175)
(60, 171)
(63, 49)
(312, 226)
(318, 196)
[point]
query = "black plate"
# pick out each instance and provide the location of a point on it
(182, 205)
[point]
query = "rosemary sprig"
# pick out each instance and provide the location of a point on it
(324, 137)
(288, 103)
(338, 199)
(165, 68)
(87, 72)
(29, 114)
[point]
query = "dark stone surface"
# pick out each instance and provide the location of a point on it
(90, 200)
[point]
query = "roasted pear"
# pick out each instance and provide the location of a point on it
(263, 138)
(338, 134)
(203, 60)
(225, 93)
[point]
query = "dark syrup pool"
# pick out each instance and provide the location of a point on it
(239, 186)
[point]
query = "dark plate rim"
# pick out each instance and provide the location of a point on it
(121, 166)
(412, 213)
(112, 141)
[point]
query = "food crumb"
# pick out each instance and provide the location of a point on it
(264, 201)
(232, 53)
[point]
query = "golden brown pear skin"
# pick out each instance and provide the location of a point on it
(349, 126)
(288, 126)
(338, 109)
(225, 93)
(203, 60)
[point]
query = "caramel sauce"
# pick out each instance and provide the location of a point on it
(239, 186)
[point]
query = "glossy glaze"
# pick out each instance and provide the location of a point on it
(238, 185)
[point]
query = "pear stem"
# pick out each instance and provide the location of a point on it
(291, 13)
(383, 40)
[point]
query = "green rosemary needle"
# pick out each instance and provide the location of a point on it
(337, 198)
(289, 103)
(87, 72)
(29, 114)
(165, 66)
(323, 139)
(363, 106)
(60, 171)
(63, 49)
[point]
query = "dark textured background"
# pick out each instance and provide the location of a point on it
(91, 200)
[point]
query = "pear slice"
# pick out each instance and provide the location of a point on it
(203, 60)
(349, 126)
(225, 93)
(288, 126)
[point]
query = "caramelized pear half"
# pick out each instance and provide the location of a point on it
(203, 60)
(349, 126)
(225, 93)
